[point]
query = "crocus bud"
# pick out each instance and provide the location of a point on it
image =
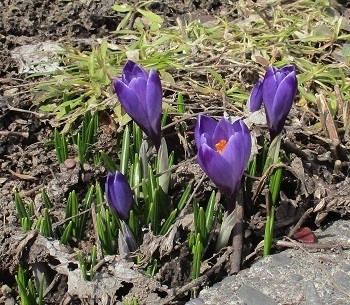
(163, 166)
(140, 94)
(119, 194)
(223, 151)
(279, 89)
(256, 97)
(126, 240)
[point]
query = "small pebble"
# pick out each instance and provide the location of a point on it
(70, 163)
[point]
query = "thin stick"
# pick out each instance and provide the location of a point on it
(14, 133)
(300, 222)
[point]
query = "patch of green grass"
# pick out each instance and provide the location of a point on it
(221, 56)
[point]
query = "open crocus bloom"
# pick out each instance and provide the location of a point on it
(119, 194)
(140, 94)
(279, 89)
(223, 151)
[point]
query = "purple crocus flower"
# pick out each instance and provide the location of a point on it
(256, 97)
(223, 151)
(119, 194)
(140, 94)
(279, 89)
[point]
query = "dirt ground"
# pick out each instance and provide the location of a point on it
(27, 164)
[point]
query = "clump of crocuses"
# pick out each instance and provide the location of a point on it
(223, 152)
(277, 91)
(140, 94)
(119, 194)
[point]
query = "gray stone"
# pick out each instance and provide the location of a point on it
(293, 276)
(311, 294)
(252, 296)
(196, 301)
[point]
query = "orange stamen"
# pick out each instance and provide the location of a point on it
(219, 147)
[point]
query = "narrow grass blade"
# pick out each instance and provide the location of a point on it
(197, 257)
(184, 197)
(209, 213)
(124, 158)
(108, 162)
(86, 206)
(168, 222)
(67, 233)
(41, 289)
(47, 202)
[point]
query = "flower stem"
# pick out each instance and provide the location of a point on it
(237, 242)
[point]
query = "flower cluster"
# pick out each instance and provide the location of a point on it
(223, 147)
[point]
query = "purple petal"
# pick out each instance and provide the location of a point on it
(119, 194)
(270, 86)
(132, 70)
(238, 148)
(205, 125)
(217, 168)
(153, 99)
(139, 87)
(234, 155)
(132, 105)
(256, 97)
(284, 97)
(223, 131)
(246, 139)
(109, 188)
(283, 101)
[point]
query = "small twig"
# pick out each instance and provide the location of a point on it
(291, 147)
(203, 278)
(262, 181)
(262, 16)
(22, 176)
(39, 115)
(340, 100)
(182, 213)
(33, 190)
(52, 284)
(312, 246)
(259, 247)
(198, 282)
(188, 116)
(300, 222)
(7, 133)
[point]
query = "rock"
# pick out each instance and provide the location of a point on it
(293, 276)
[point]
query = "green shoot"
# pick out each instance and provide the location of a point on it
(180, 103)
(24, 216)
(124, 158)
(132, 302)
(108, 162)
(47, 202)
(87, 269)
(61, 146)
(29, 294)
(87, 137)
(199, 239)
